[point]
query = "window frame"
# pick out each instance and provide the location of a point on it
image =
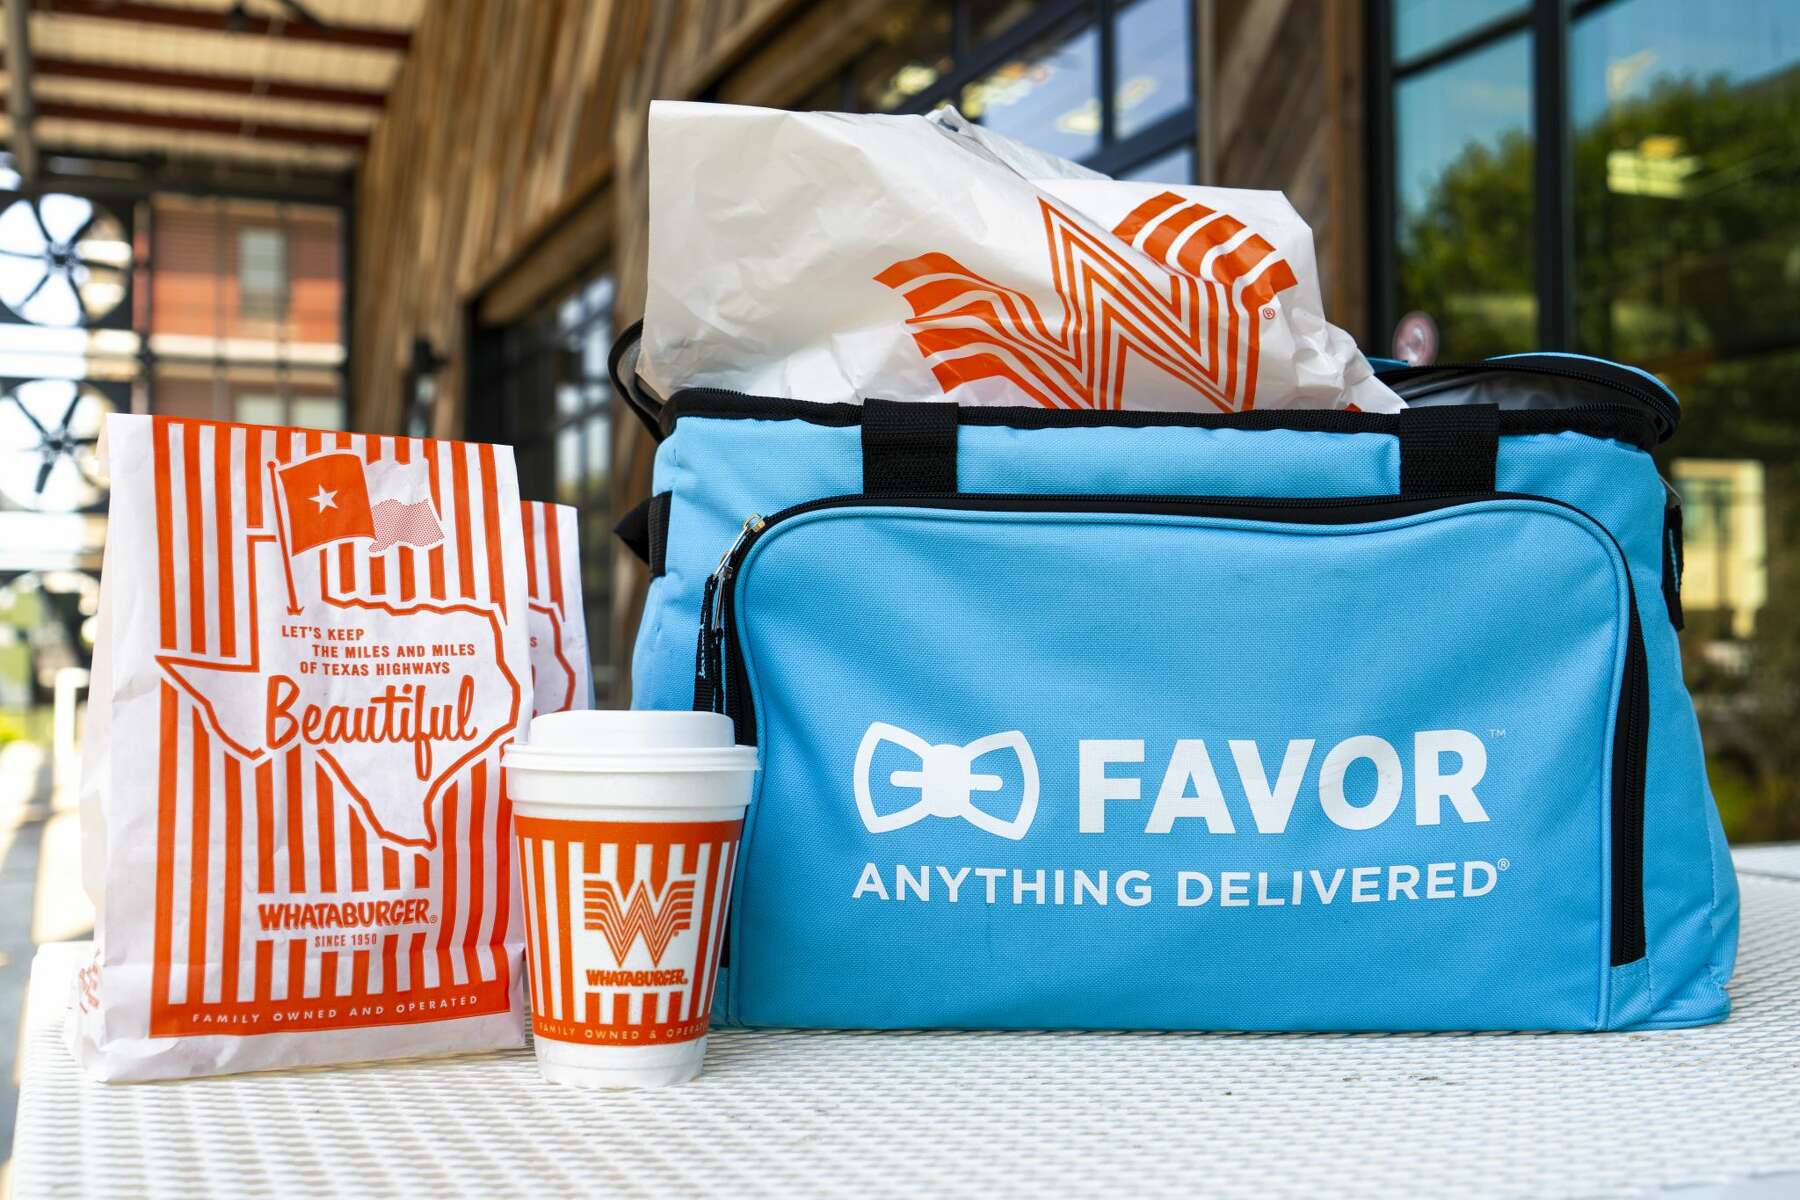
(972, 60)
(520, 356)
(279, 297)
(1553, 186)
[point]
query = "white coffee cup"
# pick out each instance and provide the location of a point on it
(627, 827)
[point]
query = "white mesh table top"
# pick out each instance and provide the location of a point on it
(1782, 859)
(790, 1113)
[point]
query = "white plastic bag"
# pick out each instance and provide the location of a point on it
(311, 652)
(562, 674)
(829, 257)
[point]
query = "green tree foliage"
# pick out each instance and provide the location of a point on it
(1465, 254)
(1687, 263)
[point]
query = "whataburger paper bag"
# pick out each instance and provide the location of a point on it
(312, 649)
(562, 675)
(829, 257)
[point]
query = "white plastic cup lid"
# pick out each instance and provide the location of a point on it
(630, 740)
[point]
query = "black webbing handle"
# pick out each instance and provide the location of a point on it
(909, 447)
(1448, 449)
(621, 366)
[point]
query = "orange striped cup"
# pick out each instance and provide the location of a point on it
(627, 827)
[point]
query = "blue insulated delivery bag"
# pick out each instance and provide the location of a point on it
(1128, 720)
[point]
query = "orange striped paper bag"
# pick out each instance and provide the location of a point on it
(562, 674)
(312, 649)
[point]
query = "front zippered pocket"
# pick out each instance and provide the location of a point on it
(1281, 533)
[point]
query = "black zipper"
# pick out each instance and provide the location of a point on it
(719, 665)
(1623, 380)
(1627, 422)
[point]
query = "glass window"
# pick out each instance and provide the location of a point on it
(1047, 97)
(259, 410)
(1683, 173)
(262, 274)
(1155, 68)
(262, 408)
(568, 465)
(541, 385)
(1421, 26)
(1032, 71)
(1687, 214)
(1177, 166)
(1724, 583)
(1686, 166)
(316, 412)
(1463, 205)
(912, 52)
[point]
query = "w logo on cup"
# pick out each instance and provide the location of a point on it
(657, 920)
(947, 782)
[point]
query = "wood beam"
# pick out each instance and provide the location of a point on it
(24, 136)
(202, 20)
(185, 123)
(46, 67)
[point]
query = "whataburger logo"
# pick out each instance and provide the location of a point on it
(1447, 766)
(391, 730)
(1196, 313)
(657, 919)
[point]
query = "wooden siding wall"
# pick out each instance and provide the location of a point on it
(512, 156)
(502, 113)
(1287, 113)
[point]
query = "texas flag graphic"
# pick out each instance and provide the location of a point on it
(326, 498)
(393, 696)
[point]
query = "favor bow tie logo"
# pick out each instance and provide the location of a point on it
(947, 782)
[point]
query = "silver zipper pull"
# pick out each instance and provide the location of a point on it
(752, 524)
(709, 685)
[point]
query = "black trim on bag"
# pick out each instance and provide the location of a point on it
(910, 449)
(1413, 383)
(645, 531)
(1621, 422)
(625, 381)
(1450, 451)
(719, 664)
(1631, 746)
(1674, 557)
(633, 529)
(658, 559)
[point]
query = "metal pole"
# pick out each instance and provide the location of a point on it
(1382, 235)
(1555, 221)
(1205, 91)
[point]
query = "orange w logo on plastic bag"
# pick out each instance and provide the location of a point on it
(656, 921)
(1197, 314)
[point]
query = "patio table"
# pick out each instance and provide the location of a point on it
(1713, 1111)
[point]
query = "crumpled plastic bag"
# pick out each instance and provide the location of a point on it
(829, 257)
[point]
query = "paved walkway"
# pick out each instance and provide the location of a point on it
(40, 898)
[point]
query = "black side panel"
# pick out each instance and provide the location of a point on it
(1673, 563)
(658, 557)
(1631, 744)
(634, 529)
(645, 531)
